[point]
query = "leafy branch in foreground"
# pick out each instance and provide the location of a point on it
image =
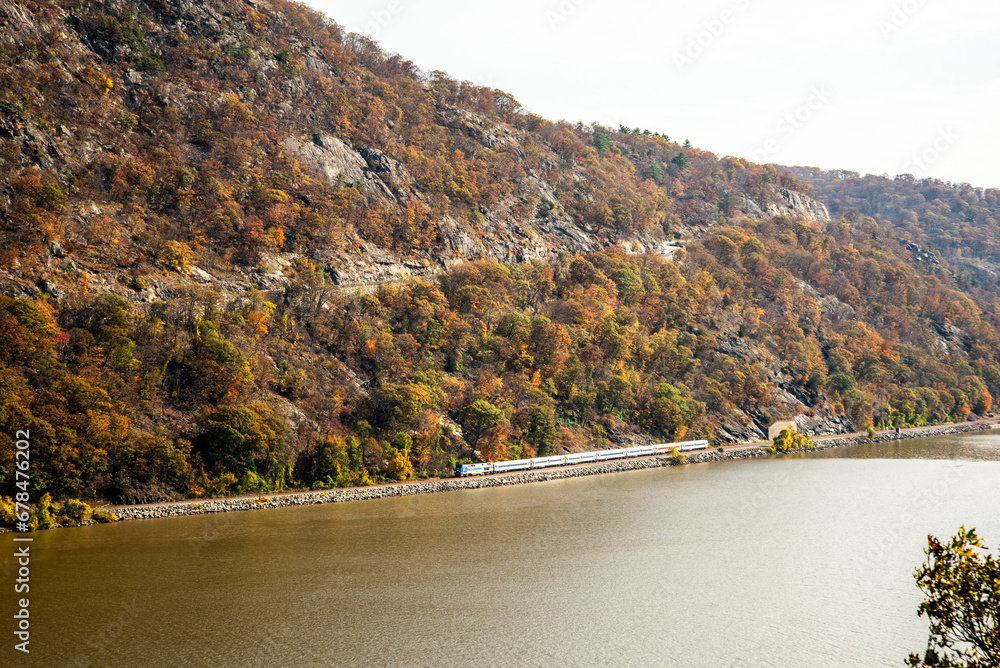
(962, 584)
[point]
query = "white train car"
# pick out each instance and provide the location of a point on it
(546, 462)
(581, 458)
(641, 451)
(515, 465)
(688, 446)
(605, 455)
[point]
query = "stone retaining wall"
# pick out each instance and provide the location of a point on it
(411, 489)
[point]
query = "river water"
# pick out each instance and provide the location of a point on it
(798, 561)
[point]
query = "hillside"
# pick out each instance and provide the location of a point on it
(244, 250)
(956, 222)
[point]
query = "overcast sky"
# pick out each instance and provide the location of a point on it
(873, 86)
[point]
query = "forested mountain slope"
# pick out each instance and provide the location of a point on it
(243, 250)
(955, 221)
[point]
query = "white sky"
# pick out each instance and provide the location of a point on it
(891, 94)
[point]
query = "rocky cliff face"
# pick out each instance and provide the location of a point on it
(501, 234)
(115, 56)
(796, 205)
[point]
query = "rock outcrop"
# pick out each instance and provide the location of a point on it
(341, 165)
(789, 203)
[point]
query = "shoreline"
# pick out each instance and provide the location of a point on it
(286, 499)
(385, 491)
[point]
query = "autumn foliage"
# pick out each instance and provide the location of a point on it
(174, 325)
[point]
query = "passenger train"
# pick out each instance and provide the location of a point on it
(576, 458)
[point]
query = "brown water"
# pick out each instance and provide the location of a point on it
(777, 562)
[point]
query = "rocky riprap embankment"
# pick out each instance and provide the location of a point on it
(410, 489)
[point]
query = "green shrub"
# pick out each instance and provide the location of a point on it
(222, 485)
(790, 440)
(128, 121)
(186, 178)
(101, 515)
(74, 510)
(354, 479)
(42, 515)
(50, 197)
(251, 482)
(151, 63)
(175, 256)
(8, 511)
